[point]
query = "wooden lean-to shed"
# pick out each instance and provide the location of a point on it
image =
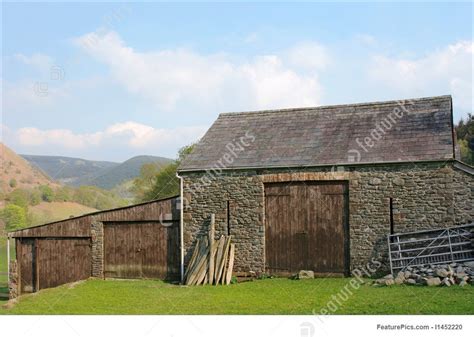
(138, 241)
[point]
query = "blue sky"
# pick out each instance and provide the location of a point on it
(112, 80)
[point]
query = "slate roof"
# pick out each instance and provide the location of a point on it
(329, 135)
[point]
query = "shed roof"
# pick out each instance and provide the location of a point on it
(408, 130)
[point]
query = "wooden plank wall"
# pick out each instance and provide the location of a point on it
(60, 252)
(166, 209)
(61, 261)
(141, 250)
(306, 227)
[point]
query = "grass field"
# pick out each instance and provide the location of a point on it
(270, 296)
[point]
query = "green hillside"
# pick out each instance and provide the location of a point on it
(67, 170)
(103, 174)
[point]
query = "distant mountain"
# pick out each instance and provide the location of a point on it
(129, 169)
(104, 174)
(67, 170)
(16, 172)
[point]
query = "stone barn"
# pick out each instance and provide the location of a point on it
(320, 188)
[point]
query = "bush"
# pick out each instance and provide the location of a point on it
(13, 183)
(47, 193)
(14, 217)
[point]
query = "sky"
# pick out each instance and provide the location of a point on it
(108, 81)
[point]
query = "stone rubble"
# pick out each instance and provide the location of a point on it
(446, 275)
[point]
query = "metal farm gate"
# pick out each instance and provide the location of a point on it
(306, 227)
(436, 246)
(141, 249)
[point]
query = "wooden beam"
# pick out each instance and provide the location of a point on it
(223, 260)
(228, 277)
(211, 249)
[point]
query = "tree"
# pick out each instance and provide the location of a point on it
(14, 217)
(165, 183)
(465, 139)
(47, 193)
(19, 197)
(143, 183)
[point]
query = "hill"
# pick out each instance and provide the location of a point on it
(67, 170)
(103, 174)
(129, 169)
(17, 172)
(53, 211)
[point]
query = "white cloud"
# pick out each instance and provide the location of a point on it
(39, 61)
(447, 70)
(309, 55)
(169, 77)
(129, 134)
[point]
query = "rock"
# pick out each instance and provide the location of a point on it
(469, 264)
(460, 269)
(389, 282)
(410, 281)
(398, 280)
(433, 282)
(389, 277)
(461, 274)
(446, 282)
(441, 273)
(462, 283)
(401, 274)
(461, 279)
(305, 274)
(375, 181)
(398, 181)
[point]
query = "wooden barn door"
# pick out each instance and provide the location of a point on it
(141, 250)
(50, 262)
(63, 260)
(306, 227)
(25, 250)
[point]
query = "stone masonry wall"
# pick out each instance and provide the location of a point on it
(424, 196)
(13, 280)
(97, 233)
(244, 194)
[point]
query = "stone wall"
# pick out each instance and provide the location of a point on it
(97, 234)
(423, 196)
(13, 280)
(242, 194)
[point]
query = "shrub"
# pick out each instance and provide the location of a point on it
(13, 183)
(14, 217)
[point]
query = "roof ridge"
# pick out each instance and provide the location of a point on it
(335, 106)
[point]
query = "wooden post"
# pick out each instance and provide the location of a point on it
(8, 257)
(211, 249)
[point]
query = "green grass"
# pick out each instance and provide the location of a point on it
(270, 296)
